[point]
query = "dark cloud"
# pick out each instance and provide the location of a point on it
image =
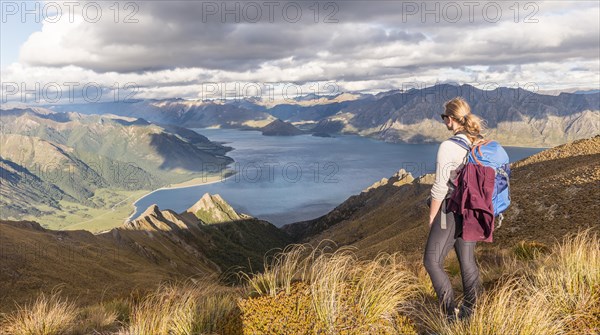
(339, 40)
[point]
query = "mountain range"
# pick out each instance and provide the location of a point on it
(514, 116)
(179, 112)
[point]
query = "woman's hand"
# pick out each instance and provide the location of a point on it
(433, 210)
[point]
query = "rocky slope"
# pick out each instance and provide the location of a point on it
(210, 227)
(370, 199)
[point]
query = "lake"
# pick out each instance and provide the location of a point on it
(285, 179)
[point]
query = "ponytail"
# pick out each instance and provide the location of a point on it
(472, 125)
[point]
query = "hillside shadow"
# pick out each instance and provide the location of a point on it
(185, 155)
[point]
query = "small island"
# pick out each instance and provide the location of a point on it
(321, 134)
(280, 128)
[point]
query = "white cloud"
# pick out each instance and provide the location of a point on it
(171, 51)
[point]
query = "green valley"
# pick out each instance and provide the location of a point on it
(76, 171)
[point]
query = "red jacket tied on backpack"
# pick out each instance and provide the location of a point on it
(473, 199)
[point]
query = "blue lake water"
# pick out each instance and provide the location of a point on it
(284, 179)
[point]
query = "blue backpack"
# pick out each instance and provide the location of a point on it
(492, 154)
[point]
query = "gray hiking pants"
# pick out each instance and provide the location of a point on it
(439, 243)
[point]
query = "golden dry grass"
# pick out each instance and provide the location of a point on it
(280, 271)
(183, 309)
(507, 309)
(570, 277)
(47, 315)
(344, 292)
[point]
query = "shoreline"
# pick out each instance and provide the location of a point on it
(178, 186)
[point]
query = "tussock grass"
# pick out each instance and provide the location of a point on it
(120, 307)
(182, 309)
(96, 318)
(345, 292)
(280, 271)
(328, 277)
(530, 250)
(508, 309)
(570, 275)
(47, 315)
(533, 289)
(382, 286)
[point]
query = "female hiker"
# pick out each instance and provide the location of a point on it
(446, 227)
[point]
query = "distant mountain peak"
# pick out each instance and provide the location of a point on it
(152, 210)
(154, 219)
(213, 209)
(150, 220)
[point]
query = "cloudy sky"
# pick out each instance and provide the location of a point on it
(195, 49)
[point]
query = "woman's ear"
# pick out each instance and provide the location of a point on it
(454, 124)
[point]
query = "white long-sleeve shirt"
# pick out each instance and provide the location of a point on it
(450, 158)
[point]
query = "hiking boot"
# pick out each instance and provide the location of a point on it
(451, 317)
(464, 313)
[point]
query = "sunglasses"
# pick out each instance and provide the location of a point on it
(444, 116)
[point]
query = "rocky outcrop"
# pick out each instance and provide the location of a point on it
(400, 178)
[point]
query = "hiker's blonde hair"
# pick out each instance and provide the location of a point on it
(471, 124)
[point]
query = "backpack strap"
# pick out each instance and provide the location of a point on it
(504, 170)
(461, 142)
(465, 145)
